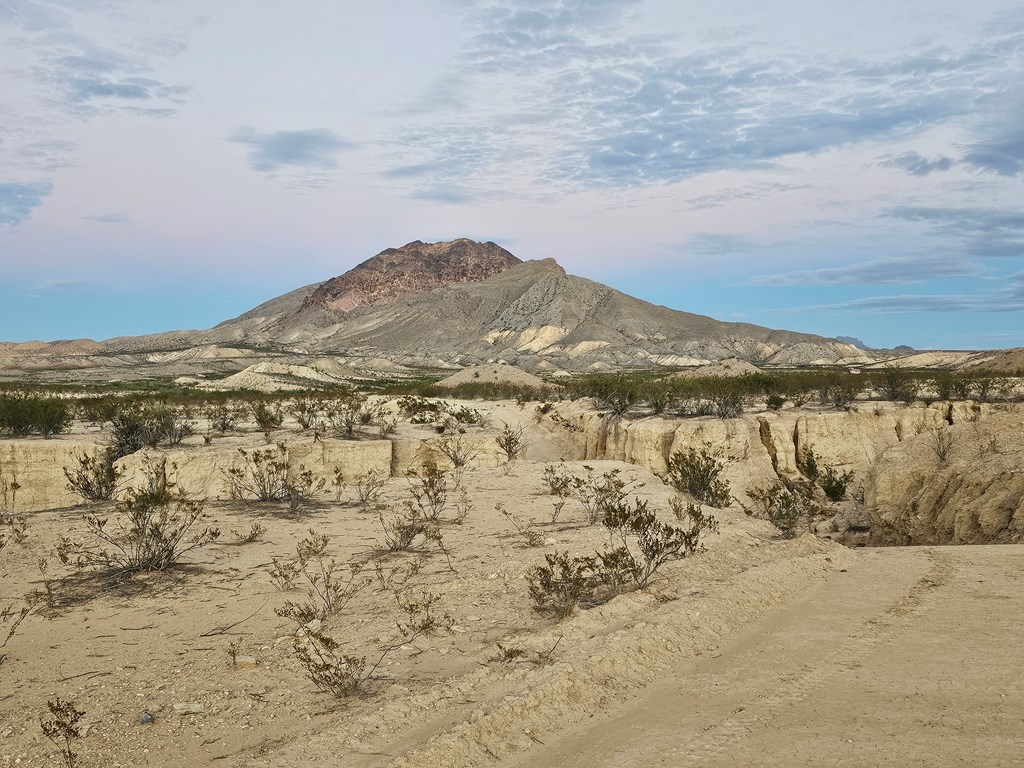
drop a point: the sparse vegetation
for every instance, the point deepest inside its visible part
(645, 544)
(95, 478)
(697, 471)
(782, 507)
(511, 442)
(24, 413)
(146, 535)
(62, 729)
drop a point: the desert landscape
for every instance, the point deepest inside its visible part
(511, 384)
(355, 561)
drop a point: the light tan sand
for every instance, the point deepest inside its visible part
(494, 373)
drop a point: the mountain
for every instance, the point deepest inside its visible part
(461, 303)
(853, 341)
(465, 303)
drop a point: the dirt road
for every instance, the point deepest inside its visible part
(911, 657)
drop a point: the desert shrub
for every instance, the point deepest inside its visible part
(99, 410)
(459, 452)
(254, 534)
(420, 410)
(808, 462)
(835, 483)
(23, 414)
(146, 536)
(598, 494)
(62, 729)
(775, 402)
(369, 487)
(223, 417)
(839, 391)
(940, 440)
(645, 544)
(781, 507)
(346, 413)
(95, 478)
(511, 442)
(305, 410)
(343, 675)
(832, 481)
(16, 525)
(895, 384)
(263, 475)
(128, 434)
(559, 483)
(268, 416)
(530, 536)
(12, 617)
(564, 583)
(429, 487)
(696, 471)
(149, 424)
(330, 586)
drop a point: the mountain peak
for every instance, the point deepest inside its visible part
(415, 267)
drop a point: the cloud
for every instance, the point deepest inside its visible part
(305, 149)
(875, 272)
(918, 165)
(57, 285)
(1003, 156)
(756, 191)
(109, 218)
(615, 109)
(19, 199)
(714, 244)
(73, 77)
(970, 231)
(1009, 298)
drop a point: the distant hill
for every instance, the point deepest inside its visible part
(461, 303)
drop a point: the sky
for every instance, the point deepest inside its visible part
(831, 167)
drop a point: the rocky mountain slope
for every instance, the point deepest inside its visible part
(448, 304)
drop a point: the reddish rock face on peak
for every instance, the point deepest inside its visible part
(413, 268)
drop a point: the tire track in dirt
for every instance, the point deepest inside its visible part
(715, 705)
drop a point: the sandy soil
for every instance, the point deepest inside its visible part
(909, 658)
(758, 651)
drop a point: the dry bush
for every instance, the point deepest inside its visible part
(254, 534)
(782, 507)
(95, 478)
(331, 586)
(369, 487)
(940, 440)
(62, 729)
(459, 452)
(147, 535)
(558, 481)
(645, 544)
(429, 487)
(531, 537)
(511, 442)
(696, 471)
(267, 476)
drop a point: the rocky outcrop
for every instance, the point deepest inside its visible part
(32, 475)
(959, 484)
(413, 268)
(32, 472)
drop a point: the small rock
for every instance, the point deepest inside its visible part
(6, 732)
(188, 708)
(473, 618)
(245, 662)
(146, 718)
(550, 541)
(314, 625)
